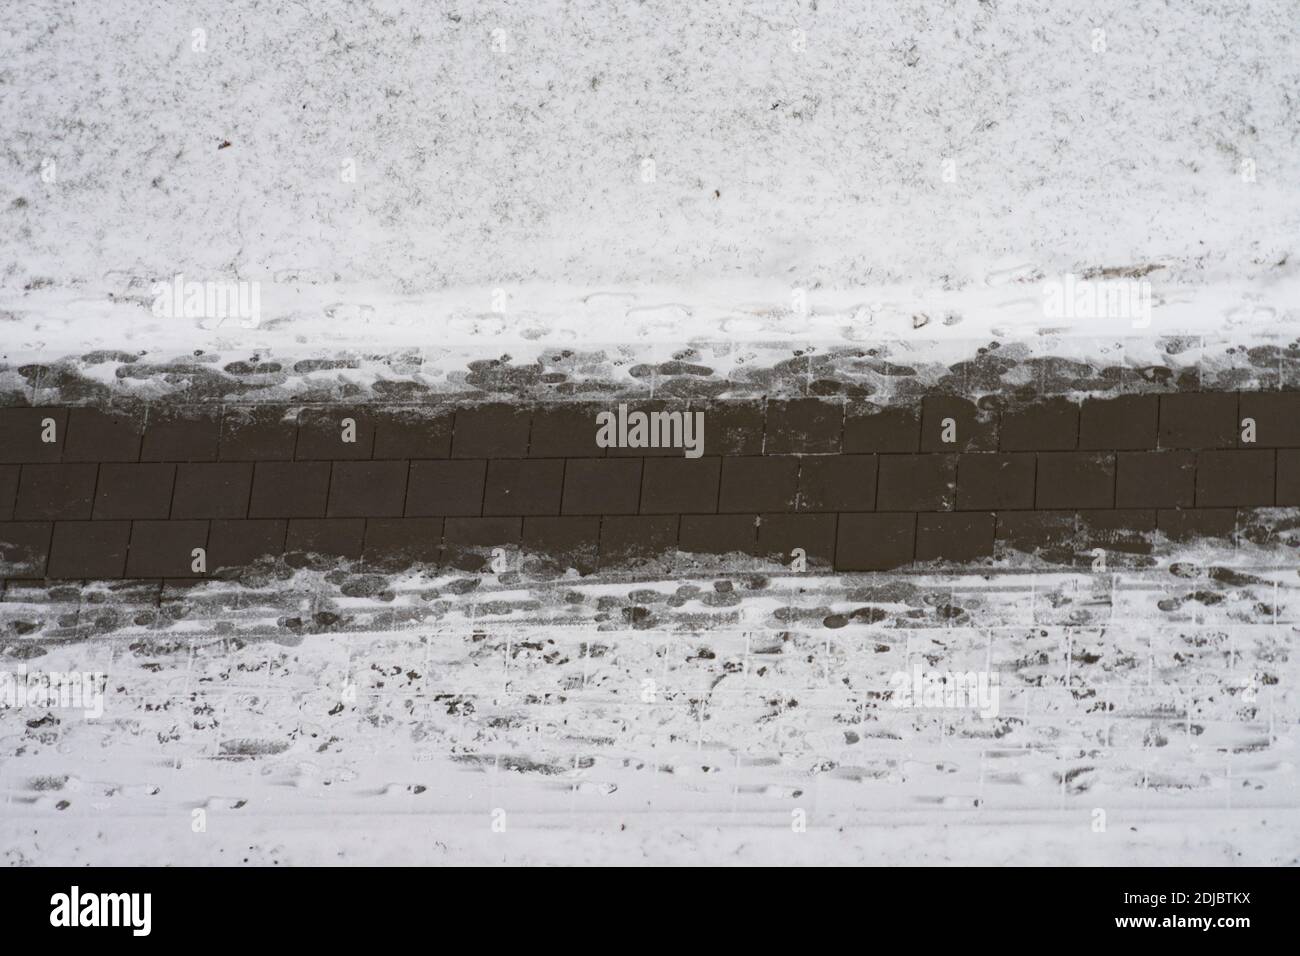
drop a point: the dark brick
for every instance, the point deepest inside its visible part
(602, 486)
(1198, 420)
(367, 489)
(916, 482)
(1269, 527)
(875, 542)
(1188, 524)
(89, 549)
(1050, 425)
(517, 487)
(733, 428)
(24, 548)
(976, 430)
(213, 490)
(445, 488)
(780, 534)
(1124, 530)
(55, 492)
(1288, 477)
(870, 428)
(664, 446)
(416, 432)
(635, 539)
(321, 432)
(1155, 479)
(752, 484)
(803, 426)
(1276, 415)
(1225, 478)
(1125, 422)
(1069, 479)
(8, 490)
(258, 433)
(21, 431)
(181, 434)
(393, 544)
(134, 491)
(680, 485)
(837, 483)
(98, 436)
(327, 537)
(718, 534)
(565, 431)
(233, 545)
(165, 549)
(955, 537)
(1048, 534)
(993, 482)
(468, 542)
(557, 544)
(289, 489)
(491, 431)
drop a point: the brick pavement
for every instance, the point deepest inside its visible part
(132, 492)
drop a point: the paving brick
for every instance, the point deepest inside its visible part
(95, 435)
(955, 537)
(55, 492)
(89, 549)
(627, 541)
(752, 484)
(976, 430)
(680, 485)
(1288, 477)
(165, 549)
(602, 486)
(994, 482)
(524, 487)
(412, 432)
(1188, 524)
(448, 488)
(1048, 534)
(181, 434)
(1155, 479)
(916, 482)
(1127, 531)
(1276, 415)
(875, 542)
(258, 433)
(289, 489)
(326, 537)
(718, 534)
(1198, 420)
(212, 490)
(134, 490)
(1269, 527)
(803, 426)
(733, 427)
(1125, 422)
(1225, 478)
(235, 544)
(495, 430)
(323, 434)
(663, 440)
(1069, 479)
(22, 433)
(838, 483)
(1049, 425)
(367, 489)
(565, 431)
(8, 490)
(24, 548)
(393, 544)
(468, 542)
(870, 428)
(780, 534)
(557, 544)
